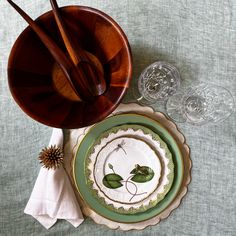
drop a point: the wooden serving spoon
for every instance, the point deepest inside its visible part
(80, 77)
(78, 55)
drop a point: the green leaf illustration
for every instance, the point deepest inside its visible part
(136, 169)
(112, 181)
(142, 174)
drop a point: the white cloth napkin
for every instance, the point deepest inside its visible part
(52, 197)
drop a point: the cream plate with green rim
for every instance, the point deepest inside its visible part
(142, 181)
(83, 150)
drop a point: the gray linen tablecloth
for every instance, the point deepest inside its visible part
(199, 37)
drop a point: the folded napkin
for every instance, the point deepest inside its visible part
(52, 197)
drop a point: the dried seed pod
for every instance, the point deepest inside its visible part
(51, 157)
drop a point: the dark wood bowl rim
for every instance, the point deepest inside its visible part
(21, 37)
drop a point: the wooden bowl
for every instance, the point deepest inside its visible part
(36, 81)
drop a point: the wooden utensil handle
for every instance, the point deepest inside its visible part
(90, 67)
(65, 35)
(79, 86)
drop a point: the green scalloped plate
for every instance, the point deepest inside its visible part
(168, 156)
(84, 149)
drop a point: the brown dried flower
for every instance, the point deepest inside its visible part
(51, 157)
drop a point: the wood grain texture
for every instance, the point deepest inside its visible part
(33, 74)
(74, 74)
(92, 74)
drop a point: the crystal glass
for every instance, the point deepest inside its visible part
(201, 104)
(157, 82)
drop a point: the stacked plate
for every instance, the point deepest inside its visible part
(132, 168)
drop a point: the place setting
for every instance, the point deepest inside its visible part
(124, 165)
(142, 189)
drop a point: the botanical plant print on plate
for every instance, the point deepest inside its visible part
(129, 169)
